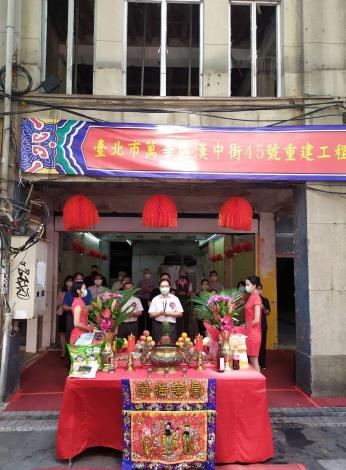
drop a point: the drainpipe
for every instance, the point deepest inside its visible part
(4, 193)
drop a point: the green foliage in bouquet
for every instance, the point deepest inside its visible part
(219, 310)
(107, 311)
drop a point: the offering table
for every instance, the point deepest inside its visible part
(91, 414)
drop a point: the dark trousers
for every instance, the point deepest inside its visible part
(201, 327)
(157, 331)
(69, 326)
(144, 321)
(127, 329)
(262, 353)
(183, 323)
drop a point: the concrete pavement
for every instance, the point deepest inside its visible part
(313, 437)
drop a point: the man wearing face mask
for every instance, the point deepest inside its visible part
(146, 285)
(97, 288)
(68, 300)
(165, 307)
(89, 280)
(130, 325)
(264, 327)
(183, 288)
(214, 284)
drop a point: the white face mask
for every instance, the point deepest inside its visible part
(98, 282)
(83, 291)
(165, 290)
(147, 276)
(249, 289)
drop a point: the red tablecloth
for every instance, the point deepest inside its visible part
(91, 414)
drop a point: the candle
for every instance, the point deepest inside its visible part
(199, 343)
(131, 343)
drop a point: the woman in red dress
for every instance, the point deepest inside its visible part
(253, 309)
(79, 312)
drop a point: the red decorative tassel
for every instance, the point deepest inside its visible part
(236, 213)
(159, 211)
(80, 213)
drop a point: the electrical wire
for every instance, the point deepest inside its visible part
(320, 106)
(20, 72)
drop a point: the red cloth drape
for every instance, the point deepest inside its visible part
(91, 415)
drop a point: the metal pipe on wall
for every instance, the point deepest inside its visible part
(4, 192)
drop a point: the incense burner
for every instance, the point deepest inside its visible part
(166, 358)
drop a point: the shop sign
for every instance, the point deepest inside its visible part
(142, 150)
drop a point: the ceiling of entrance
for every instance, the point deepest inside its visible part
(123, 237)
(190, 196)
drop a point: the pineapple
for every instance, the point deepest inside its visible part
(165, 339)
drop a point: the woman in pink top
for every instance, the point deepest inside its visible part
(253, 308)
(79, 312)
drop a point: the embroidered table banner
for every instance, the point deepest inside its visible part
(169, 423)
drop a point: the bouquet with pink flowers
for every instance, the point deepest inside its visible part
(218, 312)
(109, 309)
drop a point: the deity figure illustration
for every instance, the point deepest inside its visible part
(188, 440)
(170, 439)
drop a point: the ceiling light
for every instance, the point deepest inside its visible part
(92, 237)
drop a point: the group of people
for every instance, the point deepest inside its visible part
(156, 304)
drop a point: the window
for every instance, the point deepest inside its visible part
(69, 32)
(255, 48)
(163, 48)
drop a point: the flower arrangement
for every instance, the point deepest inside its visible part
(218, 312)
(108, 310)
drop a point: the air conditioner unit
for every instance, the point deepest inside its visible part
(27, 293)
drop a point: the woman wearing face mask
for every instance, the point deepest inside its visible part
(79, 312)
(68, 300)
(67, 286)
(97, 288)
(253, 309)
(165, 307)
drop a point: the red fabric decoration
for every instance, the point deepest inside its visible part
(229, 253)
(104, 257)
(159, 211)
(79, 213)
(236, 213)
(216, 258)
(78, 247)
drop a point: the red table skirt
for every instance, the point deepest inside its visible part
(91, 414)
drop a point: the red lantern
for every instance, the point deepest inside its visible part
(159, 211)
(236, 213)
(79, 213)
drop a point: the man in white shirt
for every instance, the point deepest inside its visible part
(130, 325)
(165, 307)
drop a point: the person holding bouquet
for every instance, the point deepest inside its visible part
(79, 312)
(253, 308)
(129, 326)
